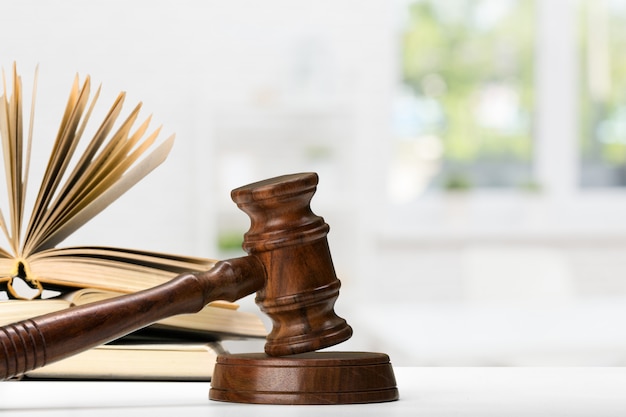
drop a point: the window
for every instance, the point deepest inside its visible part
(463, 116)
(602, 60)
(556, 128)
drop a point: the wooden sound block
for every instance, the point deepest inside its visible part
(307, 378)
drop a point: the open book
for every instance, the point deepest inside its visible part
(83, 176)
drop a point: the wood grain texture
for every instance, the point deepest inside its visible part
(309, 378)
(291, 241)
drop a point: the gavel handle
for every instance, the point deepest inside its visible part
(35, 342)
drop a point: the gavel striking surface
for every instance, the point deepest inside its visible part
(307, 378)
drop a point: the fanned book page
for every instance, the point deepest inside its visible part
(75, 187)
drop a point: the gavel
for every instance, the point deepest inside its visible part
(290, 268)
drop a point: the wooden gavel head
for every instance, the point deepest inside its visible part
(290, 241)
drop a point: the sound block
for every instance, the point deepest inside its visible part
(307, 378)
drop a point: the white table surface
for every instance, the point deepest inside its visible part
(424, 391)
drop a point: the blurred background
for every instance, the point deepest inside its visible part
(471, 153)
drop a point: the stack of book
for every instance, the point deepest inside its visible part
(183, 347)
(81, 180)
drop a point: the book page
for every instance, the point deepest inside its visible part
(95, 182)
(184, 362)
(61, 155)
(11, 132)
(6, 151)
(17, 310)
(113, 269)
(96, 142)
(107, 197)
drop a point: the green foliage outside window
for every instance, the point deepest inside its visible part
(603, 72)
(472, 61)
